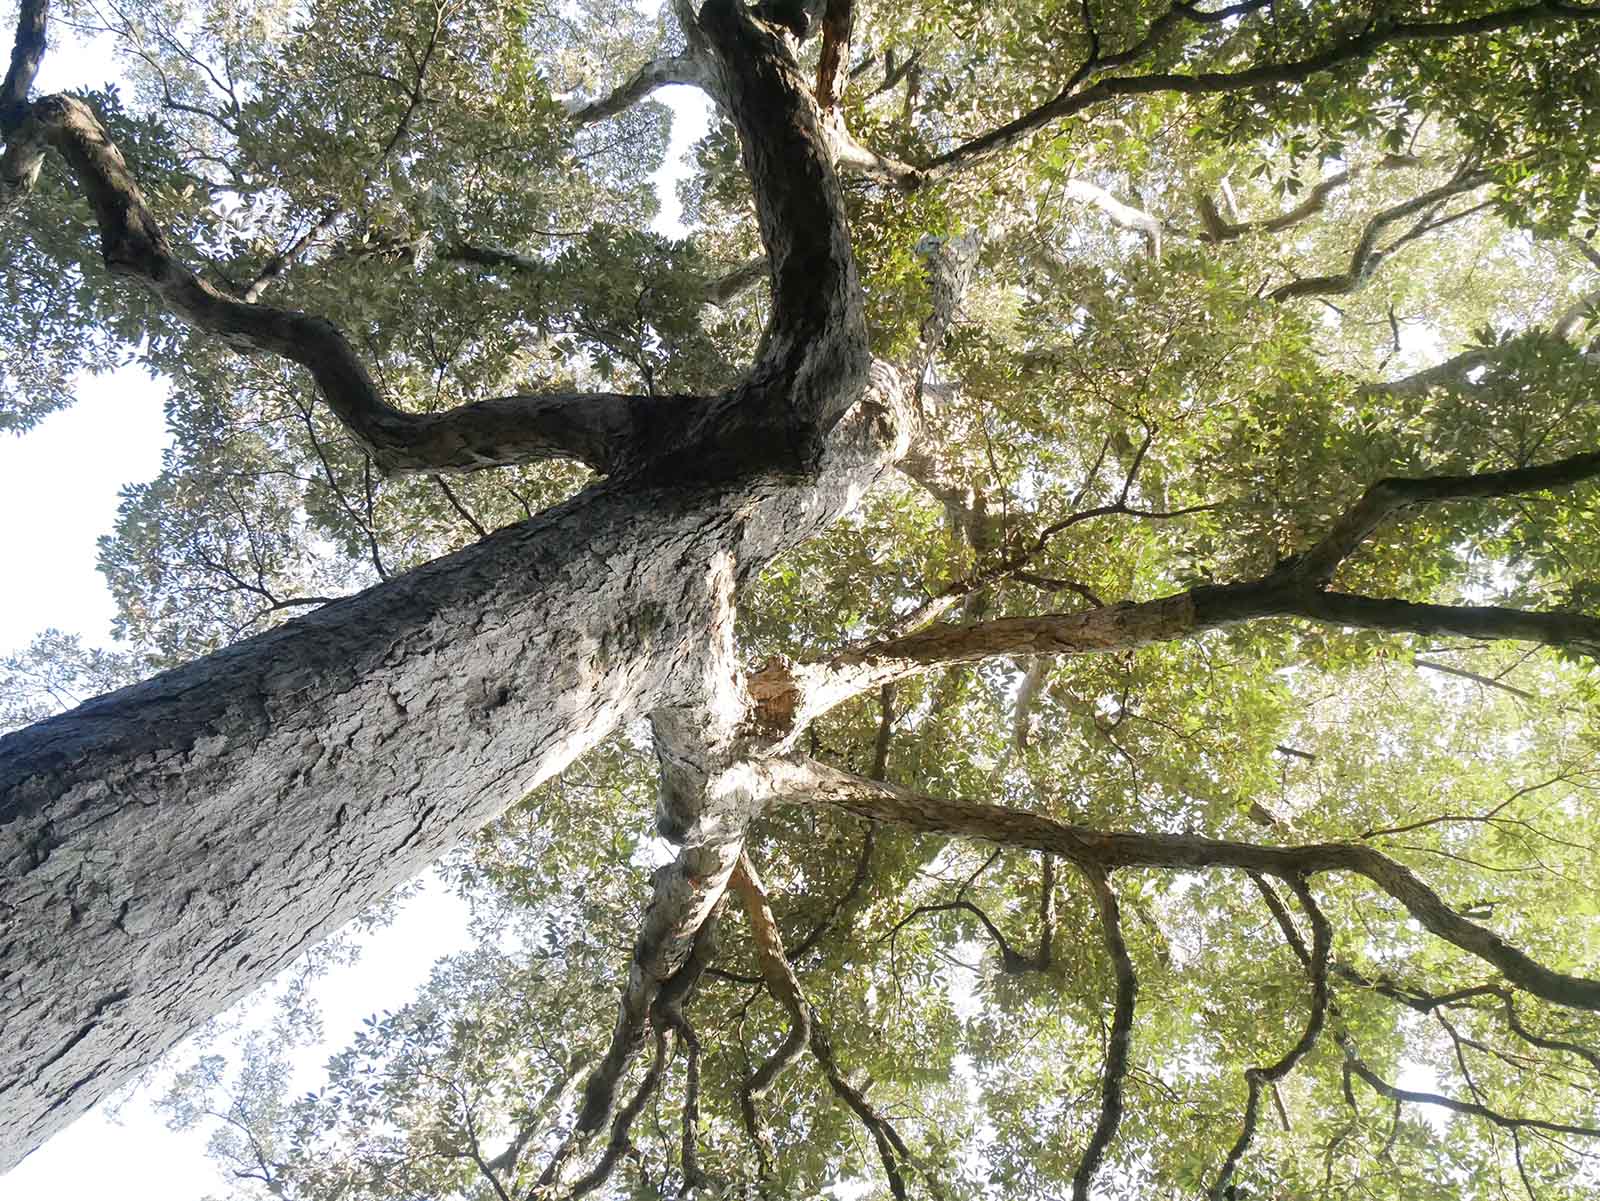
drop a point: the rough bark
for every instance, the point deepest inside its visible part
(170, 846)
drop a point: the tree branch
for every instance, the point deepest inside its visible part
(891, 1148)
(838, 19)
(687, 68)
(1119, 1041)
(1367, 257)
(1471, 1108)
(602, 430)
(26, 55)
(1255, 1077)
(1074, 97)
(1395, 494)
(1120, 213)
(806, 781)
(784, 988)
(623, 1122)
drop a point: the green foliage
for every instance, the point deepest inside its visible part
(1115, 417)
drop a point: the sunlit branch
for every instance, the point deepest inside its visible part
(806, 781)
(505, 1163)
(1119, 1041)
(1022, 707)
(1463, 674)
(658, 73)
(1119, 212)
(1256, 1077)
(784, 988)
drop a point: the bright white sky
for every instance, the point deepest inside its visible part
(59, 490)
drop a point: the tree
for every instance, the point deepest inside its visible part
(1319, 779)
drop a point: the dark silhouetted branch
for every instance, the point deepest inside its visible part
(1118, 1042)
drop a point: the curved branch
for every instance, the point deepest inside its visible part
(1367, 257)
(1120, 1040)
(1471, 1108)
(687, 68)
(1395, 494)
(784, 988)
(806, 781)
(1012, 963)
(623, 1123)
(606, 430)
(892, 1149)
(1255, 1077)
(813, 362)
(1074, 98)
(1119, 212)
(1219, 230)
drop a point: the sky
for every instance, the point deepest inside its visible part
(59, 491)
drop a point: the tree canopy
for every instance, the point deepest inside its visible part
(1099, 513)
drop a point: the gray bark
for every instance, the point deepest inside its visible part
(172, 845)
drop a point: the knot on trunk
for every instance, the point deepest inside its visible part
(774, 695)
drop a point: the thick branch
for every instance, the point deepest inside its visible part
(1118, 1042)
(806, 781)
(838, 18)
(816, 344)
(606, 430)
(784, 988)
(687, 68)
(1121, 214)
(791, 696)
(26, 55)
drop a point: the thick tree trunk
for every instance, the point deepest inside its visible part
(170, 846)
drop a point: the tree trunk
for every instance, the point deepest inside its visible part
(171, 846)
